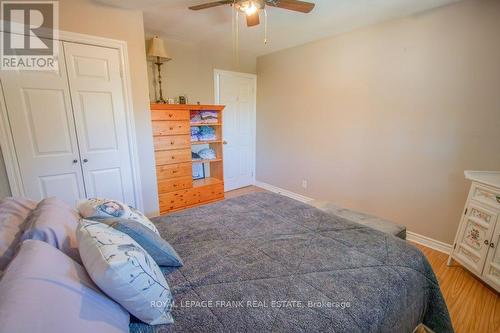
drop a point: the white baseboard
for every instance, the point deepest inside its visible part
(429, 242)
(410, 236)
(284, 192)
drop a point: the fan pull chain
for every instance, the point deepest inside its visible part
(235, 28)
(237, 39)
(265, 26)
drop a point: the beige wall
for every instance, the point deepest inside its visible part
(87, 17)
(191, 71)
(387, 118)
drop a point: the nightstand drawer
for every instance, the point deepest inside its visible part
(486, 195)
(170, 127)
(173, 156)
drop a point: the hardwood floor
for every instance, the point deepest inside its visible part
(243, 191)
(473, 306)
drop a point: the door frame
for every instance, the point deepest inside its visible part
(217, 74)
(7, 142)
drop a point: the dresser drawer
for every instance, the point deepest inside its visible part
(170, 127)
(175, 184)
(170, 171)
(169, 115)
(178, 199)
(170, 201)
(211, 192)
(486, 195)
(173, 156)
(172, 142)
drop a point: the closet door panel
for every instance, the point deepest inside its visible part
(41, 121)
(98, 122)
(62, 186)
(57, 141)
(107, 183)
(100, 118)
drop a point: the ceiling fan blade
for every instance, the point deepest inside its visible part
(253, 20)
(295, 5)
(211, 4)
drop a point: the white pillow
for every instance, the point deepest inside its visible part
(98, 207)
(125, 272)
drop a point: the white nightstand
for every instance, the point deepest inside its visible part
(476, 244)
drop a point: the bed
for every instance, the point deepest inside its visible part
(266, 263)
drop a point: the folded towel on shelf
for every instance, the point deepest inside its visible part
(196, 117)
(207, 154)
(209, 116)
(195, 131)
(206, 133)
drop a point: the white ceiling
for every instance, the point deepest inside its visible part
(212, 27)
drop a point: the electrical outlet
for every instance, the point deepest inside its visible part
(304, 183)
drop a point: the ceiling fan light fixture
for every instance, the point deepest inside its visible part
(249, 7)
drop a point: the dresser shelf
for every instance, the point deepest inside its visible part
(194, 143)
(207, 161)
(205, 124)
(206, 182)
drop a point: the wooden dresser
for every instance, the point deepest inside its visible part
(173, 153)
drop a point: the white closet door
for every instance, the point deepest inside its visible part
(99, 109)
(39, 110)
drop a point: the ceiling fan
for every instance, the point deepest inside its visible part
(251, 7)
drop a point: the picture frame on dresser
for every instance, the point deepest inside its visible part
(198, 171)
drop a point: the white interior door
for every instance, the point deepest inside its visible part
(100, 118)
(237, 92)
(41, 121)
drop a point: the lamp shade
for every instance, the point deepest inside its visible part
(156, 48)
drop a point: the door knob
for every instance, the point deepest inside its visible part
(486, 242)
(492, 245)
(85, 160)
(224, 142)
(75, 161)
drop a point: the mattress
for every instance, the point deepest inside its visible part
(266, 263)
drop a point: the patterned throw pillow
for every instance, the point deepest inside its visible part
(125, 272)
(98, 207)
(158, 248)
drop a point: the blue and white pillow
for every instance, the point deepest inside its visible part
(158, 248)
(99, 207)
(125, 272)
